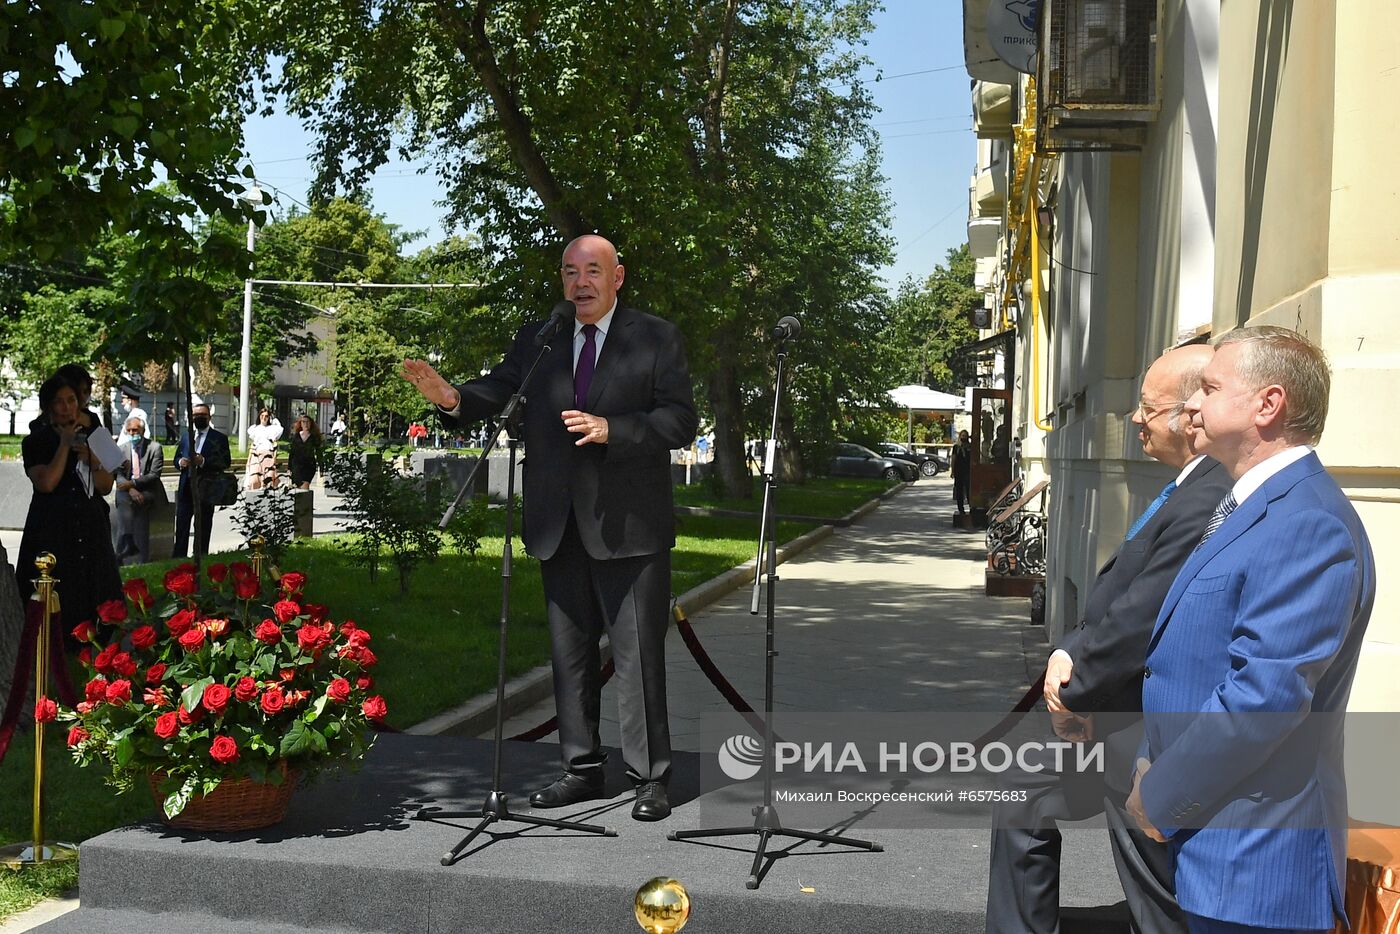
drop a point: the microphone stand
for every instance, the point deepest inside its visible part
(766, 821)
(496, 807)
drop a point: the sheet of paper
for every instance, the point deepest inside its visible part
(105, 449)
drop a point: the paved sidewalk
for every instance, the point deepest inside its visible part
(886, 615)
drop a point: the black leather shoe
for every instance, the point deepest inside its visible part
(651, 802)
(569, 788)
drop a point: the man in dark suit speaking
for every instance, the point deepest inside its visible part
(1093, 681)
(604, 410)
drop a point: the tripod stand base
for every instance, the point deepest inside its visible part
(767, 826)
(494, 809)
(19, 855)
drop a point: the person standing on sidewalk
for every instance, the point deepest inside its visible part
(962, 470)
(1259, 640)
(606, 409)
(1093, 682)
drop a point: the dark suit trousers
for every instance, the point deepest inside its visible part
(184, 514)
(629, 598)
(1023, 887)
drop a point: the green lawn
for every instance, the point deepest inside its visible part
(828, 497)
(436, 649)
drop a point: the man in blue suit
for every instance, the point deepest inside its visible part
(1257, 642)
(211, 456)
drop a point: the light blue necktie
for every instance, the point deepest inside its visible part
(1152, 508)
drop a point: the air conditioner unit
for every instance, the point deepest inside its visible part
(1100, 73)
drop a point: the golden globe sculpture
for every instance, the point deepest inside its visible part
(662, 906)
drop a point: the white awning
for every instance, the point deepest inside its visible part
(923, 399)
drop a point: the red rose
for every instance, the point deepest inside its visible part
(339, 690)
(143, 637)
(292, 582)
(138, 593)
(180, 582)
(298, 697)
(167, 725)
(245, 690)
(218, 573)
(188, 717)
(375, 708)
(214, 627)
(192, 639)
(348, 626)
(273, 701)
(268, 631)
(285, 611)
(358, 637)
(85, 708)
(45, 710)
(85, 632)
(112, 611)
(246, 588)
(317, 611)
(119, 692)
(224, 750)
(242, 570)
(186, 566)
(312, 638)
(123, 664)
(96, 690)
(216, 698)
(366, 658)
(103, 662)
(286, 675)
(77, 735)
(180, 623)
(85, 656)
(155, 673)
(156, 697)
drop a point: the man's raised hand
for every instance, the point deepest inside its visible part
(429, 384)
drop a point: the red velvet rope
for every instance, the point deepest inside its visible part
(58, 667)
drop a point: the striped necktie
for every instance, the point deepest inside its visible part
(1227, 506)
(1152, 508)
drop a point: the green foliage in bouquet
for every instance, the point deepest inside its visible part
(229, 680)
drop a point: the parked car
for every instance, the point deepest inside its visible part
(930, 465)
(852, 460)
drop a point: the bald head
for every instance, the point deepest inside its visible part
(591, 275)
(1171, 379)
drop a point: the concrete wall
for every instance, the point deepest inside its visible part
(1308, 224)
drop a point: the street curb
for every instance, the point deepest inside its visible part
(525, 691)
(41, 913)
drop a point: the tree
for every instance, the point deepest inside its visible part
(688, 130)
(931, 320)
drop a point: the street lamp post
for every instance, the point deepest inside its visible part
(253, 195)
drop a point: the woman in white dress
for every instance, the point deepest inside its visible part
(262, 452)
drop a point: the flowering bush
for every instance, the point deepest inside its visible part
(224, 681)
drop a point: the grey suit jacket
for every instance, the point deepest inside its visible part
(148, 483)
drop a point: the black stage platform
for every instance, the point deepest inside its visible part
(348, 858)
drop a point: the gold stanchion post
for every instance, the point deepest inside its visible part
(40, 850)
(256, 544)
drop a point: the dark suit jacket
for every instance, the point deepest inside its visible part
(620, 492)
(149, 482)
(215, 451)
(1109, 646)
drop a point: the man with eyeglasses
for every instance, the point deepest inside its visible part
(1093, 682)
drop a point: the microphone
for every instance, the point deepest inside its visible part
(787, 328)
(562, 314)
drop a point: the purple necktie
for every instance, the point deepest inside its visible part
(583, 372)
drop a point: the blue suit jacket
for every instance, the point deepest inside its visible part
(1258, 639)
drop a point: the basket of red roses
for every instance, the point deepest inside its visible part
(222, 694)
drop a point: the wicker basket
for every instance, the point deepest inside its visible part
(237, 804)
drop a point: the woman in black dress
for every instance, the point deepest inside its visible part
(67, 514)
(304, 451)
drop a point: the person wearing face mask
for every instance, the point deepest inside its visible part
(67, 514)
(205, 454)
(138, 491)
